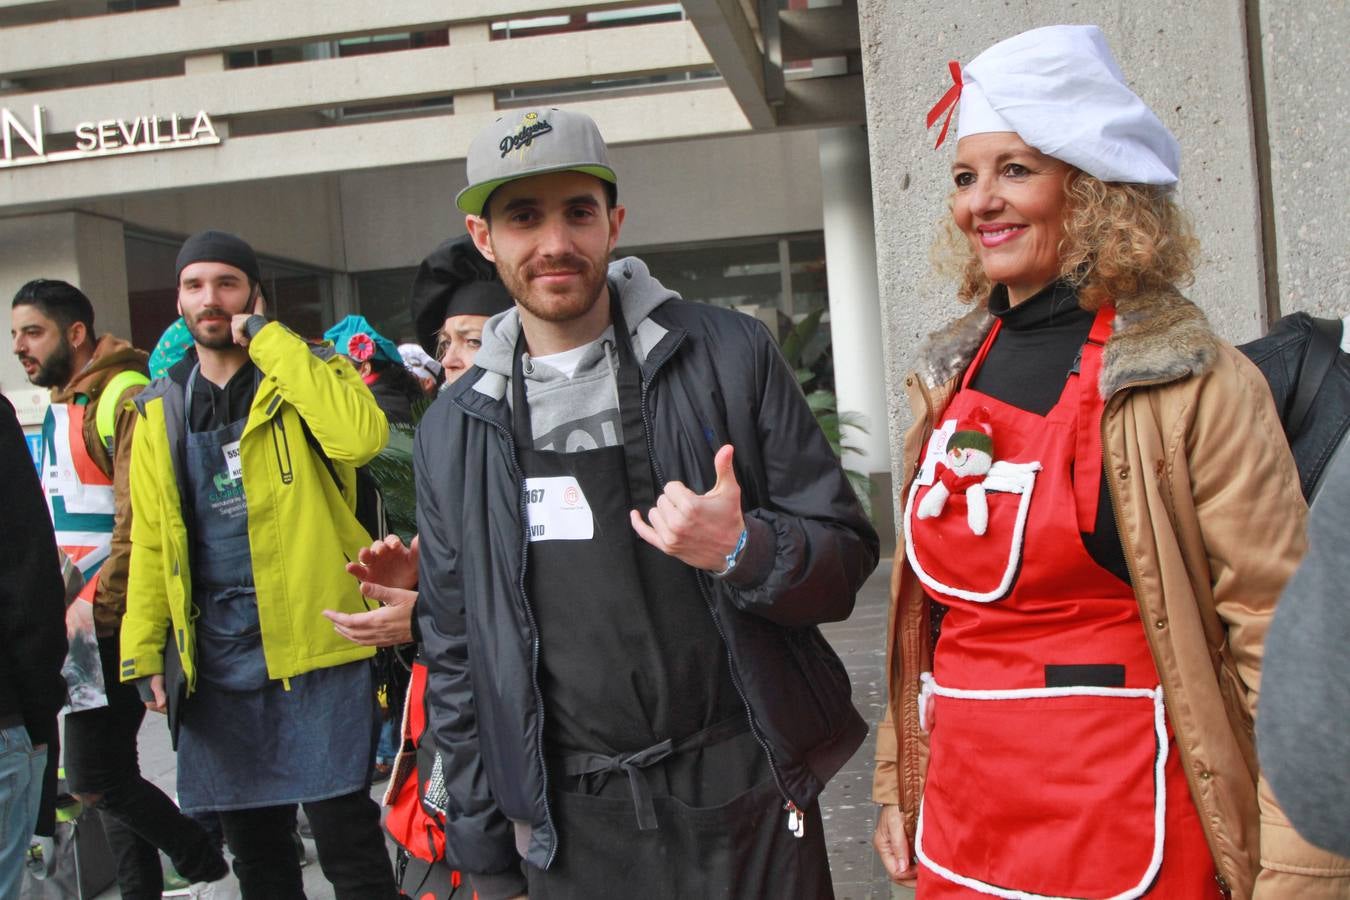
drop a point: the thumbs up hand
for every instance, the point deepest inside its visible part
(697, 529)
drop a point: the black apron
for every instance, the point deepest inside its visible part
(658, 785)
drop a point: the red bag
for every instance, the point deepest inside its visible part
(417, 829)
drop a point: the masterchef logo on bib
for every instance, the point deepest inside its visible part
(556, 510)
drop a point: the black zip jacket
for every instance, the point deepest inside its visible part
(1279, 355)
(715, 377)
(32, 594)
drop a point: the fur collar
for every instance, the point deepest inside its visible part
(1157, 337)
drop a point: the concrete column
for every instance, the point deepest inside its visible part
(344, 296)
(90, 253)
(855, 310)
(1306, 74)
(205, 64)
(469, 102)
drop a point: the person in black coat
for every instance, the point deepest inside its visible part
(1286, 356)
(32, 646)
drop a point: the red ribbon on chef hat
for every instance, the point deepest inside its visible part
(947, 104)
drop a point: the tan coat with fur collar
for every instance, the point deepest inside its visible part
(1212, 523)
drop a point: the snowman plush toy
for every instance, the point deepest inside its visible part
(968, 458)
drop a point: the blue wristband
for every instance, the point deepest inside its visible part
(734, 556)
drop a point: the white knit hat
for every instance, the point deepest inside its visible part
(1060, 89)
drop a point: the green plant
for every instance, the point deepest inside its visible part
(392, 469)
(806, 348)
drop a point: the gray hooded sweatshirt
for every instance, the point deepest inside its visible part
(581, 412)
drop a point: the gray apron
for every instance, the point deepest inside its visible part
(229, 638)
(248, 741)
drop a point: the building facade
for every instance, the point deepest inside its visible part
(331, 135)
(753, 139)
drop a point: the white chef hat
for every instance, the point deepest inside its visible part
(1060, 90)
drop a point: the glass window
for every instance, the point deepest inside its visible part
(120, 6)
(745, 273)
(383, 298)
(151, 294)
(561, 24)
(361, 45)
(778, 279)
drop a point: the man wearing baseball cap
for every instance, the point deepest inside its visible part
(243, 485)
(631, 526)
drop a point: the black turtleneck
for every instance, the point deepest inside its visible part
(215, 407)
(1028, 366)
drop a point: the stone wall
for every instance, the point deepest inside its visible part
(1284, 141)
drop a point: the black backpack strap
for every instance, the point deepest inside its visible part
(318, 448)
(1324, 342)
(370, 511)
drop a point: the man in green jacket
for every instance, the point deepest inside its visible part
(243, 478)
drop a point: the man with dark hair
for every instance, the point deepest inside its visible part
(243, 485)
(630, 526)
(56, 319)
(86, 453)
(32, 646)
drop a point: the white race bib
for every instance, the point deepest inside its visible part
(556, 510)
(233, 464)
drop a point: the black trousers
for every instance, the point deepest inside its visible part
(101, 758)
(347, 835)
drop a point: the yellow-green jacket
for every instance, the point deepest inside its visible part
(302, 528)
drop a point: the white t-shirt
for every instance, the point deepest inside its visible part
(567, 361)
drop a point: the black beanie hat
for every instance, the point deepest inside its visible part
(221, 247)
(454, 280)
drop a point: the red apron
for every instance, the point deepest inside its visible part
(1051, 769)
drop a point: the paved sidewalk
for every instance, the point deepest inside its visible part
(847, 808)
(846, 804)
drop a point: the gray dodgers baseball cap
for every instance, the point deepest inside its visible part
(532, 142)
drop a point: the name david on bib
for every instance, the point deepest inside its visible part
(556, 510)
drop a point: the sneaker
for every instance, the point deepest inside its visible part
(302, 822)
(173, 881)
(300, 848)
(203, 889)
(41, 859)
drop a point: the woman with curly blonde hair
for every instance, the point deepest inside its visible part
(1080, 604)
(1118, 240)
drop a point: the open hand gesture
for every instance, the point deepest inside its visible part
(386, 562)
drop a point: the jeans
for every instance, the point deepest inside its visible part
(348, 838)
(102, 760)
(386, 750)
(21, 768)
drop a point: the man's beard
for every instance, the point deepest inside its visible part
(57, 369)
(210, 342)
(550, 306)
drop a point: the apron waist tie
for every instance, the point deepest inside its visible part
(633, 763)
